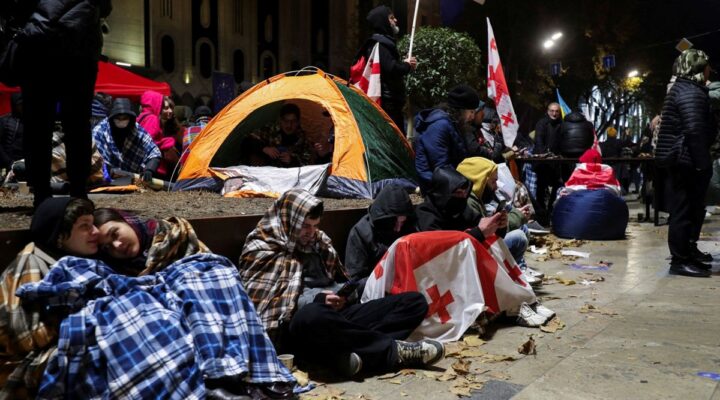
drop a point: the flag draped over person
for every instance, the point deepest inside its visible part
(499, 92)
(459, 276)
(369, 81)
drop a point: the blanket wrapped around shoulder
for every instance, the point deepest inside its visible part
(174, 239)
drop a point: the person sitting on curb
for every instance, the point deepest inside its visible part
(295, 278)
(28, 335)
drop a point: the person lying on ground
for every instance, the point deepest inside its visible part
(296, 280)
(283, 145)
(190, 325)
(137, 246)
(124, 144)
(28, 334)
(486, 199)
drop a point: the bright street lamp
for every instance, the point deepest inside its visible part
(548, 44)
(556, 36)
(633, 73)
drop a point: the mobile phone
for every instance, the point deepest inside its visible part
(347, 289)
(500, 207)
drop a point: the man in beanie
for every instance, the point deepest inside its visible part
(28, 335)
(392, 69)
(687, 131)
(439, 140)
(124, 144)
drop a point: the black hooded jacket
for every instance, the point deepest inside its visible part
(11, 135)
(442, 211)
(371, 237)
(392, 68)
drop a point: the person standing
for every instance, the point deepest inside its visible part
(58, 49)
(548, 134)
(392, 69)
(686, 132)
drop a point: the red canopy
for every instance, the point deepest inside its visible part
(111, 79)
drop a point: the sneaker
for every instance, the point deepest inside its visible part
(419, 354)
(528, 317)
(533, 272)
(542, 310)
(531, 280)
(349, 364)
(535, 228)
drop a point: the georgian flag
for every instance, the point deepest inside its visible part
(370, 80)
(592, 176)
(459, 276)
(499, 92)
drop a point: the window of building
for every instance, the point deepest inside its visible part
(205, 57)
(205, 14)
(167, 8)
(167, 53)
(239, 66)
(238, 17)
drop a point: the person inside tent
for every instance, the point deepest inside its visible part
(485, 198)
(295, 278)
(283, 145)
(124, 144)
(28, 335)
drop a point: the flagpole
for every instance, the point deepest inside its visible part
(412, 32)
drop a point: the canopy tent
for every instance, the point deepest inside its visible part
(369, 149)
(111, 79)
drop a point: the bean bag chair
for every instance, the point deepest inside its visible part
(577, 135)
(590, 215)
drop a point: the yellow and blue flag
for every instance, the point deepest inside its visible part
(564, 109)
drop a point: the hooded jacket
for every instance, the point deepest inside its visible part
(548, 135)
(149, 119)
(11, 134)
(392, 68)
(438, 144)
(370, 238)
(577, 135)
(442, 211)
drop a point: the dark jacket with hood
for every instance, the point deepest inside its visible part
(438, 144)
(687, 129)
(11, 135)
(577, 135)
(442, 211)
(371, 237)
(392, 68)
(548, 135)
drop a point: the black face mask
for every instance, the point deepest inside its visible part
(455, 205)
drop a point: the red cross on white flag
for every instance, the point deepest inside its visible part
(498, 91)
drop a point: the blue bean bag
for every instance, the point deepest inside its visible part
(590, 215)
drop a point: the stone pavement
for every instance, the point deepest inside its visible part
(638, 334)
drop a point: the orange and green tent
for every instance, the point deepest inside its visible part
(369, 152)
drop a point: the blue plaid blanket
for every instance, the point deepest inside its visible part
(137, 150)
(155, 336)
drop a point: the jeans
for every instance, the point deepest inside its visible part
(517, 243)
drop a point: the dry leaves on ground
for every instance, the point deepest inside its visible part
(528, 348)
(324, 393)
(589, 308)
(553, 326)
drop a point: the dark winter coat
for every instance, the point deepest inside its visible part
(687, 128)
(548, 136)
(392, 68)
(577, 135)
(11, 135)
(611, 147)
(438, 143)
(442, 211)
(370, 238)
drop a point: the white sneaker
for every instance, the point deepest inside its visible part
(531, 280)
(528, 317)
(542, 310)
(533, 272)
(419, 354)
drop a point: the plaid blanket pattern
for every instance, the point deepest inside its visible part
(271, 272)
(155, 336)
(137, 150)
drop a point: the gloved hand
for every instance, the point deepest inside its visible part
(147, 175)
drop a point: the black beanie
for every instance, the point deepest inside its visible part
(463, 97)
(47, 222)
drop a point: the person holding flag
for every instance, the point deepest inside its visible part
(392, 69)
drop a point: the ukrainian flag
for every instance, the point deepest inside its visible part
(564, 109)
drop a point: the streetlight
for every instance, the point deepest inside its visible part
(556, 36)
(551, 42)
(548, 44)
(633, 73)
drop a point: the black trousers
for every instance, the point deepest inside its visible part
(66, 93)
(319, 333)
(548, 177)
(686, 205)
(395, 112)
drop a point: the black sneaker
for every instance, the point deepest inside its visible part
(419, 354)
(536, 229)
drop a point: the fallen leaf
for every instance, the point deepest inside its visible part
(566, 282)
(431, 374)
(447, 377)
(499, 375)
(389, 375)
(406, 372)
(468, 353)
(553, 326)
(454, 348)
(473, 341)
(586, 308)
(301, 377)
(462, 391)
(496, 358)
(395, 381)
(403, 394)
(528, 348)
(462, 367)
